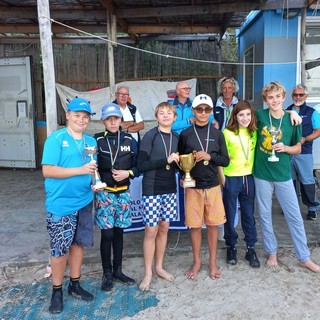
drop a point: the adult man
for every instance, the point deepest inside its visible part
(227, 88)
(302, 164)
(132, 121)
(185, 117)
(68, 173)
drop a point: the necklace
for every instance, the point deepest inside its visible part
(205, 162)
(274, 132)
(113, 158)
(165, 146)
(80, 145)
(246, 154)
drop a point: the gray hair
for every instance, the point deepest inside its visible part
(227, 79)
(300, 86)
(122, 87)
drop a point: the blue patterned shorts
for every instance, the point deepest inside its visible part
(112, 209)
(73, 229)
(157, 208)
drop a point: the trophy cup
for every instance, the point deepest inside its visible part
(274, 133)
(96, 180)
(186, 163)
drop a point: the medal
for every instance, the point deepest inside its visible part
(205, 162)
(245, 153)
(168, 152)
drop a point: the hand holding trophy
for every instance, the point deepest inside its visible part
(96, 180)
(186, 163)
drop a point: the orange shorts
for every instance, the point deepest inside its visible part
(204, 206)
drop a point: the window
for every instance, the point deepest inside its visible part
(313, 56)
(248, 69)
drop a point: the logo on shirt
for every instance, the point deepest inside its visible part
(65, 143)
(125, 148)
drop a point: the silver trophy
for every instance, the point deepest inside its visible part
(274, 133)
(96, 180)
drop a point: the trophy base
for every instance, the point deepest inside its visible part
(273, 159)
(187, 184)
(99, 185)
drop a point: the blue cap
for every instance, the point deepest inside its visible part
(79, 104)
(109, 110)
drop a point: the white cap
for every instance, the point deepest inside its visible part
(202, 99)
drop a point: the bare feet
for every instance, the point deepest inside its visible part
(193, 271)
(164, 274)
(145, 284)
(272, 261)
(214, 272)
(310, 265)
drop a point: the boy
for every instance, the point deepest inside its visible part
(203, 203)
(275, 176)
(117, 161)
(157, 158)
(68, 172)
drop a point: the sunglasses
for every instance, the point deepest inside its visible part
(200, 110)
(298, 95)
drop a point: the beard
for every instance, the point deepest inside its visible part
(298, 103)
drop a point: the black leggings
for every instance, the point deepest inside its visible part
(112, 236)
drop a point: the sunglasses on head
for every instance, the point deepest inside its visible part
(200, 110)
(299, 95)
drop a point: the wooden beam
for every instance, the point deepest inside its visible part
(58, 14)
(226, 7)
(134, 29)
(56, 28)
(48, 66)
(173, 29)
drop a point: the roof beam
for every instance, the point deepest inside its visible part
(122, 23)
(244, 6)
(123, 13)
(102, 29)
(34, 28)
(173, 29)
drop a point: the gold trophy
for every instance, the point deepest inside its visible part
(186, 163)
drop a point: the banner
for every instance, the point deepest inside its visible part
(145, 95)
(137, 207)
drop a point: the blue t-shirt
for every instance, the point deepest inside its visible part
(67, 195)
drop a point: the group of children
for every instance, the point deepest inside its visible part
(242, 149)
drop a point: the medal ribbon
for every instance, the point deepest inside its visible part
(201, 145)
(246, 154)
(164, 143)
(113, 159)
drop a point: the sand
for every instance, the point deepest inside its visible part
(286, 292)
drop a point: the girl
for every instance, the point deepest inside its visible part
(241, 137)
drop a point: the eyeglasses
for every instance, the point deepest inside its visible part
(200, 110)
(123, 94)
(300, 95)
(186, 88)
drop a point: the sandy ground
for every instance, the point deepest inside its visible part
(287, 292)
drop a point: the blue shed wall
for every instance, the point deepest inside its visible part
(275, 43)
